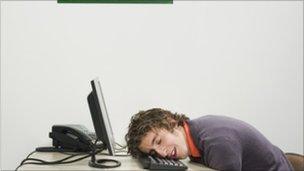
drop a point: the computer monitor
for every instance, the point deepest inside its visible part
(100, 117)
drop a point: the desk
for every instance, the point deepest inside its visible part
(127, 163)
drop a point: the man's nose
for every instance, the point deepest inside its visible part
(161, 152)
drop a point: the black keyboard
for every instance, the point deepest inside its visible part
(156, 163)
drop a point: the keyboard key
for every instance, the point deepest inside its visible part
(169, 162)
(152, 159)
(158, 160)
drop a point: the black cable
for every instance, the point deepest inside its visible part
(100, 163)
(25, 158)
(72, 153)
(54, 149)
(122, 149)
(61, 161)
(121, 146)
(30, 154)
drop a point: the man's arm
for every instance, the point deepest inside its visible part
(223, 153)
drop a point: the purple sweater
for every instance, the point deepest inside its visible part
(230, 144)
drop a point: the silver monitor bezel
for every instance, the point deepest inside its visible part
(105, 115)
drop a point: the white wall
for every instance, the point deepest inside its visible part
(241, 59)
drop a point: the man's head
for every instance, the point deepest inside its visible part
(157, 131)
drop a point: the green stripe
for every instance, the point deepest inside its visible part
(118, 1)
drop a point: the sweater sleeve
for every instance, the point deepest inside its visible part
(223, 153)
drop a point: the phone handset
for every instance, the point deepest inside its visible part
(72, 136)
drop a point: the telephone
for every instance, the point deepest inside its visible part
(72, 137)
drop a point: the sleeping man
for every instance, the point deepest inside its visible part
(219, 142)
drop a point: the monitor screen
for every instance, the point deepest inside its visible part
(100, 117)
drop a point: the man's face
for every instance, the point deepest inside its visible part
(165, 143)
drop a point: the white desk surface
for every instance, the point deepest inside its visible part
(127, 163)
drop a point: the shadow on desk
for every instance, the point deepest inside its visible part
(196, 165)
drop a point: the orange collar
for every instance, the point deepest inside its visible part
(193, 149)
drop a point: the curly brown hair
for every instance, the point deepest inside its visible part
(144, 121)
